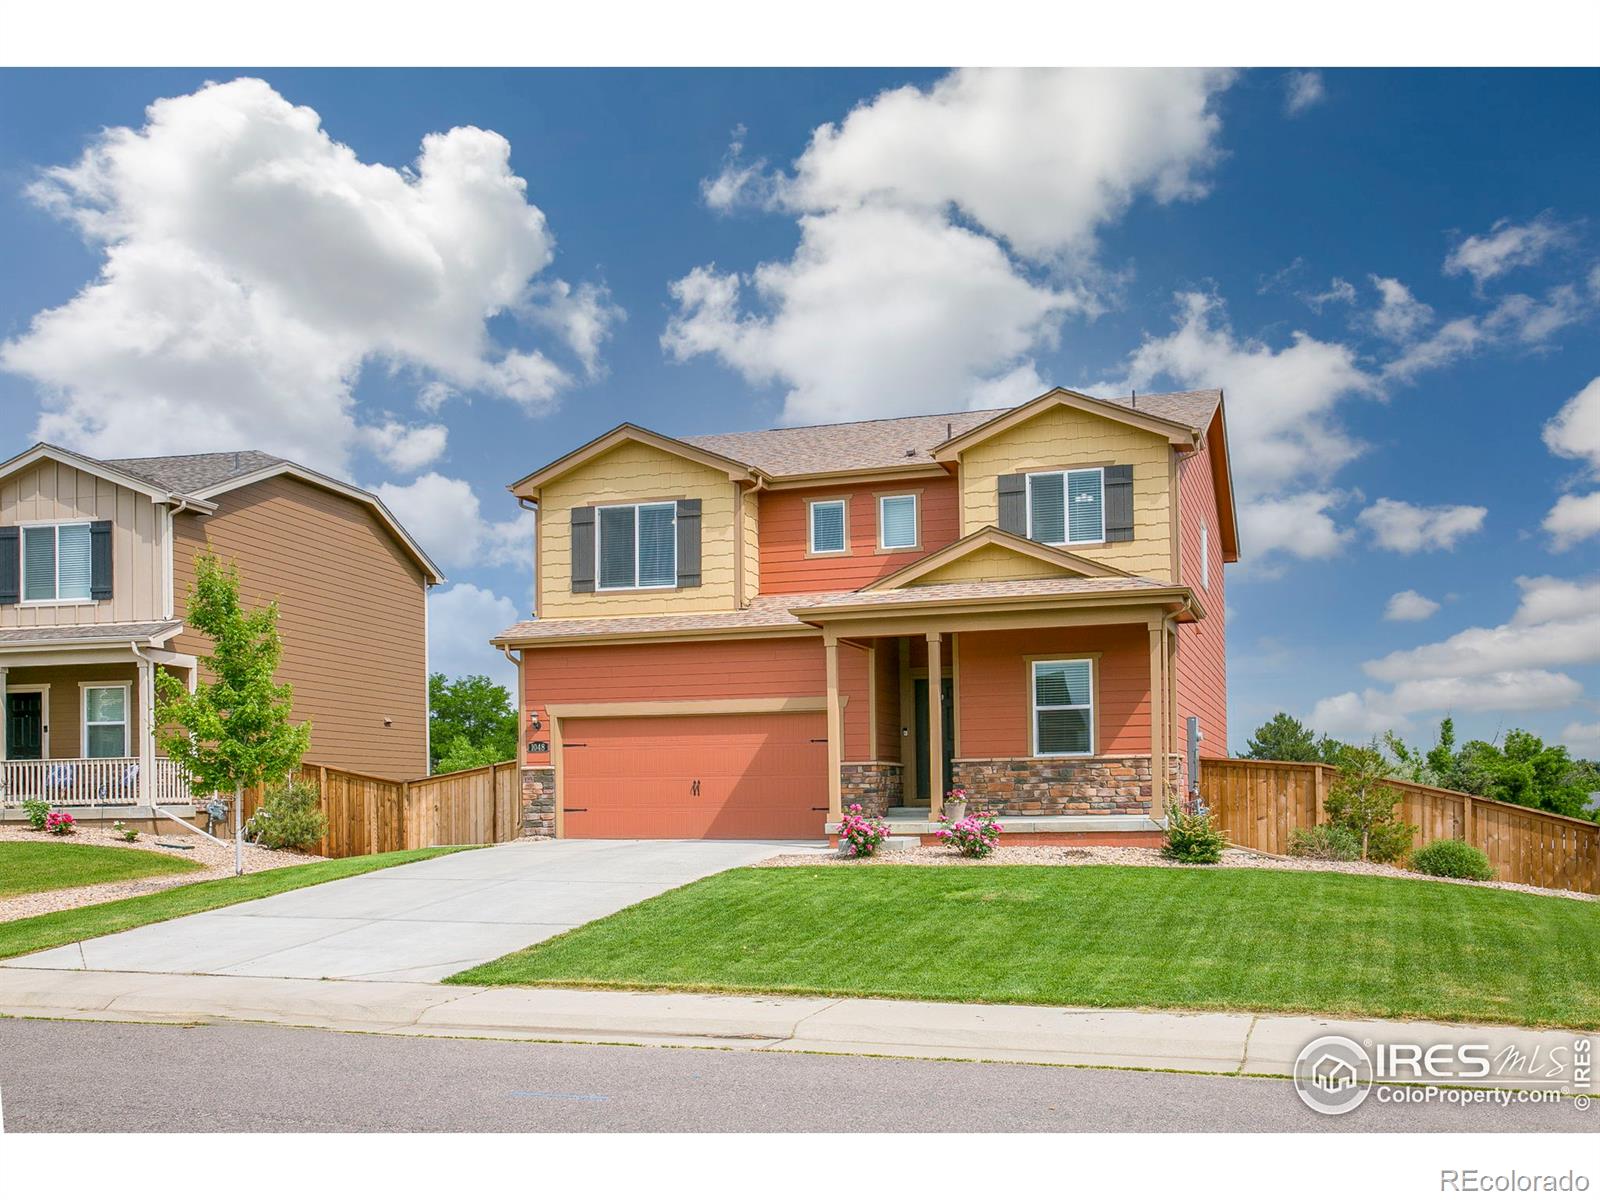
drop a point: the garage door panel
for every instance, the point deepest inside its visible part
(759, 775)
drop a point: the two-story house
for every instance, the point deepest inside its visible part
(96, 560)
(737, 635)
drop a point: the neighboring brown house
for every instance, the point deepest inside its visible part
(96, 560)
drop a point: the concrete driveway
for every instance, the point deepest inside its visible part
(419, 922)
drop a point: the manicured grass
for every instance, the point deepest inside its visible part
(45, 866)
(1120, 937)
(75, 924)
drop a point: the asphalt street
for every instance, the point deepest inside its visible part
(119, 1077)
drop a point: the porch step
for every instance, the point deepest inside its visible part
(906, 814)
(901, 843)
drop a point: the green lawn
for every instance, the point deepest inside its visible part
(45, 866)
(1288, 941)
(59, 928)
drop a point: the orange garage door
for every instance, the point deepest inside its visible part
(746, 776)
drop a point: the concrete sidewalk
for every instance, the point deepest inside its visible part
(1212, 1042)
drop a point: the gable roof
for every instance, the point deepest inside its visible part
(1052, 556)
(1168, 414)
(529, 485)
(191, 473)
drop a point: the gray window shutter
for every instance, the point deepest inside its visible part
(10, 565)
(1119, 504)
(583, 549)
(1014, 504)
(689, 543)
(100, 560)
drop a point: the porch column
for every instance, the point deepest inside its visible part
(1158, 741)
(5, 723)
(145, 690)
(936, 779)
(830, 650)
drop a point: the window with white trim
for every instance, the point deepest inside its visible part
(56, 562)
(1067, 507)
(897, 522)
(1063, 707)
(636, 546)
(827, 520)
(1205, 557)
(105, 721)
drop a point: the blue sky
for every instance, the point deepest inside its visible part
(1392, 274)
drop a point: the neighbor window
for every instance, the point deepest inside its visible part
(1067, 506)
(105, 721)
(637, 545)
(1063, 707)
(1205, 558)
(55, 562)
(827, 527)
(897, 522)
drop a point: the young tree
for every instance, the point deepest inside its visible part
(473, 710)
(1284, 739)
(233, 731)
(1361, 802)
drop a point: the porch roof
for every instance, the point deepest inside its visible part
(1001, 592)
(54, 636)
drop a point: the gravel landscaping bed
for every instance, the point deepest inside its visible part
(1133, 856)
(216, 863)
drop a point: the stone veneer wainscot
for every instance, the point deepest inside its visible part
(1048, 787)
(538, 802)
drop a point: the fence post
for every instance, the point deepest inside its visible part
(322, 799)
(1466, 818)
(1319, 789)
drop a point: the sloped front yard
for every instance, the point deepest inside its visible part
(1121, 937)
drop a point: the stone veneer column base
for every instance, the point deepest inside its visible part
(538, 802)
(1048, 787)
(876, 786)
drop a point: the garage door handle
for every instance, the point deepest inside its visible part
(819, 741)
(824, 808)
(567, 810)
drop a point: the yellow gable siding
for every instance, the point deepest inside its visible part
(992, 562)
(750, 538)
(630, 473)
(1067, 437)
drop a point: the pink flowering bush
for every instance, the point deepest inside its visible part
(976, 836)
(60, 824)
(859, 836)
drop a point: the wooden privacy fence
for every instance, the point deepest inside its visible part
(368, 814)
(1259, 803)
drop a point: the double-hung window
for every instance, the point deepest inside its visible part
(56, 563)
(827, 521)
(897, 522)
(105, 721)
(1063, 707)
(1066, 507)
(637, 545)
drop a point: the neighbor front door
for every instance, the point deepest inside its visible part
(919, 697)
(24, 725)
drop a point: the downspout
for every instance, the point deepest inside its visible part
(147, 719)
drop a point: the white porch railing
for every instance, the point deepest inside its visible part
(95, 781)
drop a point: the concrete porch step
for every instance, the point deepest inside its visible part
(906, 814)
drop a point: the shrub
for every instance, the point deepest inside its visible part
(1390, 842)
(60, 824)
(1451, 859)
(1192, 838)
(1332, 842)
(976, 836)
(126, 832)
(37, 811)
(289, 818)
(859, 836)
(1362, 803)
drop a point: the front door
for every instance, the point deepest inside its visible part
(24, 725)
(919, 701)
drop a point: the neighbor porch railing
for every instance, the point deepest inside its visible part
(94, 781)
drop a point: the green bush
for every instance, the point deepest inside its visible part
(1332, 842)
(1451, 859)
(37, 811)
(290, 817)
(1192, 838)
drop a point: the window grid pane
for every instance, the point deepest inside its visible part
(1046, 509)
(1064, 731)
(108, 741)
(1061, 683)
(107, 705)
(827, 527)
(1085, 506)
(1063, 711)
(658, 545)
(616, 531)
(73, 570)
(39, 562)
(897, 518)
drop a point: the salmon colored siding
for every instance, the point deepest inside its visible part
(886, 699)
(786, 565)
(993, 692)
(1202, 670)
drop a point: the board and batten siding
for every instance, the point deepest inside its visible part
(51, 491)
(1068, 437)
(352, 608)
(635, 473)
(1202, 666)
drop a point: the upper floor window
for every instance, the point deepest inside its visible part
(1065, 507)
(827, 519)
(57, 562)
(637, 545)
(897, 522)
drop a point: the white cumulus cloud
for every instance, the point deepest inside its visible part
(1574, 432)
(1407, 528)
(1373, 710)
(461, 620)
(1506, 246)
(1409, 605)
(444, 515)
(401, 446)
(252, 266)
(1302, 90)
(1572, 519)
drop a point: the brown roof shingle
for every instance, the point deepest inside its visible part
(38, 634)
(187, 473)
